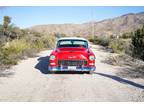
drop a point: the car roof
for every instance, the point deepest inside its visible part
(72, 38)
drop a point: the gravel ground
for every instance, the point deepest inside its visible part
(30, 81)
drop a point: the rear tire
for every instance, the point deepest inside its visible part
(91, 72)
(51, 72)
(87, 72)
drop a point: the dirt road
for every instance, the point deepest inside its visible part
(29, 81)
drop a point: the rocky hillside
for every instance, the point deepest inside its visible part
(117, 26)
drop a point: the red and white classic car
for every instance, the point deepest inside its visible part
(72, 54)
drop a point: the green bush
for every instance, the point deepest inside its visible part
(126, 35)
(49, 41)
(12, 51)
(118, 45)
(104, 41)
(138, 44)
(17, 46)
(6, 58)
(91, 39)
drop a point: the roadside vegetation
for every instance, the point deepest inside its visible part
(117, 45)
(128, 43)
(16, 43)
(130, 51)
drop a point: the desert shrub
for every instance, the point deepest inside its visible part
(104, 41)
(49, 41)
(43, 42)
(16, 49)
(128, 47)
(16, 46)
(118, 45)
(6, 58)
(138, 44)
(126, 35)
(121, 45)
(11, 52)
(91, 39)
(37, 44)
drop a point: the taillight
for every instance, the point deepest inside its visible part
(91, 57)
(52, 57)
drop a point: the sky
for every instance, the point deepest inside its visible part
(24, 17)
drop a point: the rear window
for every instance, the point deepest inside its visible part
(72, 43)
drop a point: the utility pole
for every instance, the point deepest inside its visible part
(92, 23)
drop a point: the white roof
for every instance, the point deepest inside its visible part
(73, 38)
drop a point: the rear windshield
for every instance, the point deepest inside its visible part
(72, 43)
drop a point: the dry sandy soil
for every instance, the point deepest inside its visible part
(30, 81)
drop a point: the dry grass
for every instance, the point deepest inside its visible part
(133, 68)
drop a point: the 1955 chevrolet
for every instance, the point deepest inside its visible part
(72, 54)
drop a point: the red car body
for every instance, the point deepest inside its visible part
(76, 57)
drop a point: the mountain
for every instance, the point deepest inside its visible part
(118, 25)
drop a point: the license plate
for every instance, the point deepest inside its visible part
(71, 67)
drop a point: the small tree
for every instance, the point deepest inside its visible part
(138, 44)
(6, 22)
